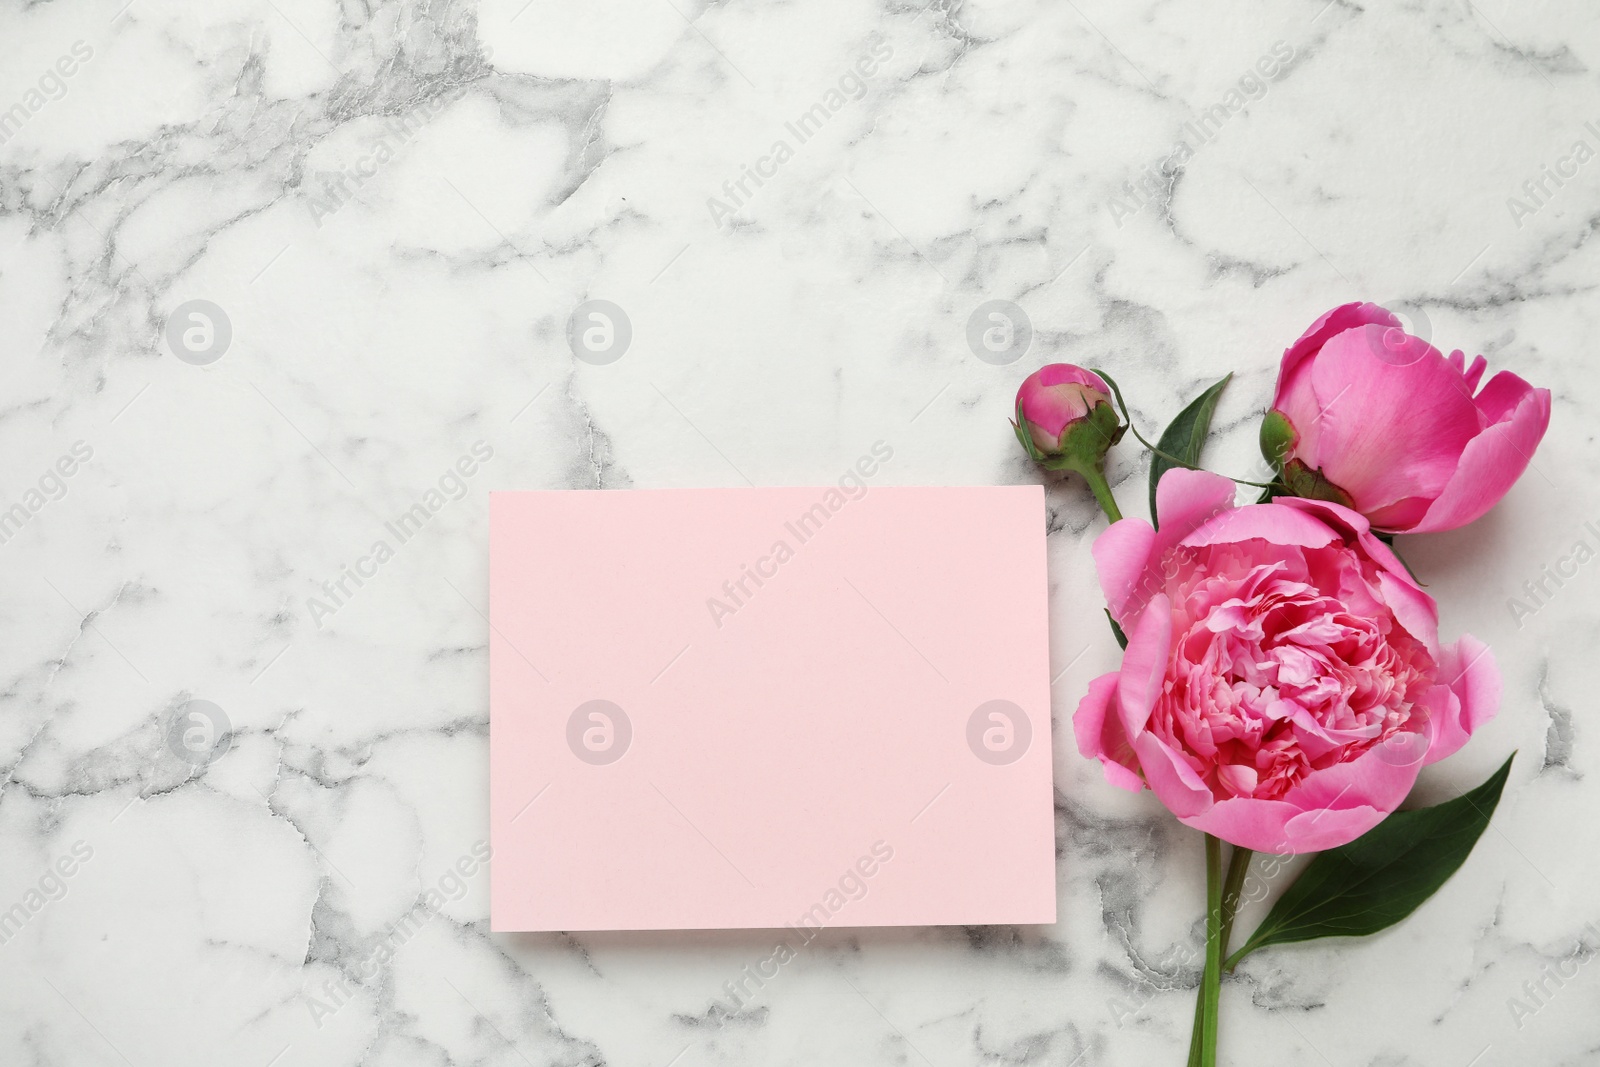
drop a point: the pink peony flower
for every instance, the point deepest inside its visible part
(1370, 416)
(1283, 682)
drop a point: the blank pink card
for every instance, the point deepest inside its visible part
(769, 707)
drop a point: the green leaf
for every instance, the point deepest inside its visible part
(1185, 437)
(1382, 876)
(1122, 638)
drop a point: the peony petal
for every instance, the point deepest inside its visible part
(1493, 460)
(1279, 524)
(1413, 609)
(1100, 736)
(1394, 416)
(1318, 831)
(1354, 526)
(1316, 739)
(1350, 523)
(1070, 374)
(1441, 709)
(1186, 500)
(1241, 779)
(1279, 827)
(1379, 778)
(1342, 318)
(1403, 514)
(1502, 396)
(1121, 558)
(1469, 670)
(1144, 666)
(1173, 781)
(1247, 822)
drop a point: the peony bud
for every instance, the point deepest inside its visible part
(1065, 421)
(1065, 418)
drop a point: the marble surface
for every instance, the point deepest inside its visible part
(392, 211)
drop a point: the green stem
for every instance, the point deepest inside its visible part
(1238, 868)
(1155, 451)
(1102, 492)
(1210, 983)
(1198, 1029)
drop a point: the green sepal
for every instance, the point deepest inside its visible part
(1300, 480)
(1277, 438)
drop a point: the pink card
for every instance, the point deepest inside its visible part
(769, 707)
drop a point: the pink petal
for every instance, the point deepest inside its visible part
(1496, 458)
(1393, 417)
(1502, 396)
(1121, 557)
(1100, 736)
(1442, 710)
(1469, 670)
(1279, 524)
(1247, 822)
(1128, 553)
(1279, 827)
(1239, 778)
(1070, 374)
(1378, 778)
(1328, 808)
(1144, 666)
(1354, 525)
(1342, 318)
(1413, 609)
(1403, 514)
(1186, 500)
(1174, 782)
(1318, 831)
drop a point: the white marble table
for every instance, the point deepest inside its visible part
(395, 210)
